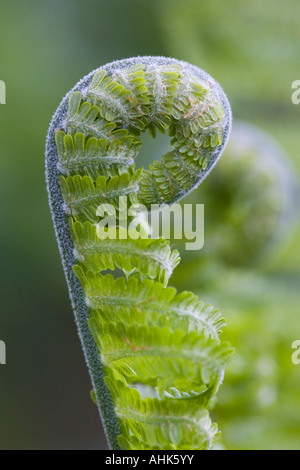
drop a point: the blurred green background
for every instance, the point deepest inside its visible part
(252, 49)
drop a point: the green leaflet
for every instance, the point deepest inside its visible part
(168, 177)
(118, 104)
(85, 118)
(93, 156)
(162, 83)
(134, 79)
(161, 424)
(165, 359)
(147, 303)
(159, 352)
(151, 259)
(83, 196)
(159, 98)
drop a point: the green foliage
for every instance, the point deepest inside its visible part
(161, 353)
(94, 157)
(149, 258)
(82, 195)
(162, 358)
(251, 210)
(250, 200)
(86, 118)
(260, 42)
(152, 424)
(148, 303)
(162, 84)
(259, 401)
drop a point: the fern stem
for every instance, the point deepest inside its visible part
(65, 243)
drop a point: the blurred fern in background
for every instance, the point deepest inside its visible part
(259, 406)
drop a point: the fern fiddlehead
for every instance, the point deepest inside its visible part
(155, 356)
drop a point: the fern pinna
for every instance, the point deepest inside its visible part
(155, 357)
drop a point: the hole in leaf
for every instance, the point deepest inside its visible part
(152, 149)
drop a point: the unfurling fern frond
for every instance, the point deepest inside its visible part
(155, 356)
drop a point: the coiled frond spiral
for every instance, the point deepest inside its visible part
(155, 356)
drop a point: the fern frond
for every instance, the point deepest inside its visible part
(82, 196)
(196, 110)
(155, 356)
(173, 175)
(162, 83)
(161, 424)
(198, 145)
(148, 303)
(116, 103)
(85, 118)
(197, 129)
(134, 79)
(151, 259)
(160, 357)
(93, 157)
